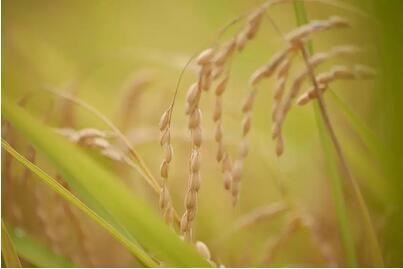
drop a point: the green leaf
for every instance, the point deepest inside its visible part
(358, 125)
(69, 197)
(35, 252)
(78, 169)
(389, 118)
(335, 178)
(8, 250)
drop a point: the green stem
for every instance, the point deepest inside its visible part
(336, 181)
(35, 252)
(367, 136)
(143, 257)
(8, 252)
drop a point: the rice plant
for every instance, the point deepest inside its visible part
(237, 134)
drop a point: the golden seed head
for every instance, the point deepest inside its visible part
(300, 33)
(257, 75)
(226, 162)
(203, 250)
(244, 147)
(190, 107)
(168, 153)
(195, 118)
(230, 47)
(218, 133)
(248, 103)
(90, 133)
(164, 120)
(279, 88)
(276, 129)
(310, 94)
(217, 71)
(205, 56)
(169, 215)
(303, 99)
(220, 153)
(113, 154)
(279, 146)
(235, 187)
(221, 86)
(326, 77)
(345, 50)
(185, 226)
(190, 202)
(164, 197)
(193, 93)
(343, 73)
(195, 182)
(164, 169)
(256, 16)
(217, 109)
(206, 77)
(100, 143)
(337, 21)
(195, 161)
(268, 69)
(70, 133)
(197, 136)
(237, 170)
(246, 123)
(283, 68)
(165, 137)
(254, 22)
(241, 40)
(227, 180)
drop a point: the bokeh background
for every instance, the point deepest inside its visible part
(100, 50)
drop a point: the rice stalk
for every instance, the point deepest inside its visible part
(69, 197)
(141, 167)
(348, 242)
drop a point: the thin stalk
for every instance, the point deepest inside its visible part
(342, 5)
(9, 254)
(35, 252)
(320, 107)
(336, 181)
(143, 257)
(140, 164)
(368, 137)
(325, 125)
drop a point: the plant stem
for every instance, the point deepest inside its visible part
(336, 181)
(136, 250)
(336, 185)
(8, 252)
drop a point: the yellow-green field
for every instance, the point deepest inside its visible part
(65, 203)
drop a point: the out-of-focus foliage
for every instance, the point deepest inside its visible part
(98, 49)
(389, 118)
(36, 253)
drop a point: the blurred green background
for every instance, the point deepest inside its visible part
(99, 48)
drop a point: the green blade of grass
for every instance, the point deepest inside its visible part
(388, 103)
(337, 193)
(125, 206)
(368, 137)
(143, 257)
(337, 183)
(335, 178)
(35, 252)
(8, 249)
